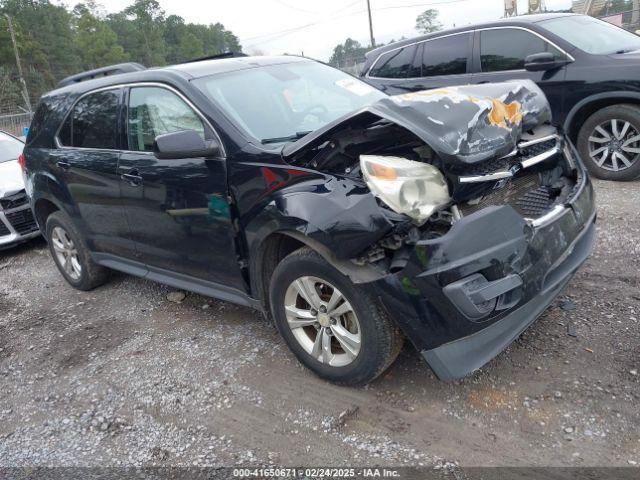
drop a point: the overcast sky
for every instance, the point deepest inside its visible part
(316, 26)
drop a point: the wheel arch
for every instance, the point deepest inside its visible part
(279, 244)
(590, 105)
(42, 208)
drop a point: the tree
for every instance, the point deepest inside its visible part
(96, 43)
(348, 53)
(190, 47)
(140, 29)
(427, 21)
(45, 39)
(55, 42)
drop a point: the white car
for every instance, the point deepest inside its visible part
(17, 223)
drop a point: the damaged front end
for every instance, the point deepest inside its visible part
(487, 212)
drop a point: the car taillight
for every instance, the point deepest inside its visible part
(22, 160)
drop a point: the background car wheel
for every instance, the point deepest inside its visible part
(334, 327)
(609, 143)
(71, 255)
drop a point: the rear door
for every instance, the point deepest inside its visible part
(436, 63)
(177, 209)
(86, 162)
(499, 55)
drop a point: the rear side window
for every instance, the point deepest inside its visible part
(394, 64)
(445, 56)
(93, 122)
(155, 111)
(506, 49)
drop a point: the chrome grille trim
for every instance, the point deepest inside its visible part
(486, 178)
(530, 162)
(526, 163)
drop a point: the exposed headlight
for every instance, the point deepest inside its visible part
(415, 189)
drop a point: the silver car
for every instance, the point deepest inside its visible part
(17, 223)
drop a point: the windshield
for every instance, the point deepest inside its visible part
(592, 35)
(10, 148)
(280, 103)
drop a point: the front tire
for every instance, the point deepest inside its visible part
(334, 327)
(71, 255)
(609, 143)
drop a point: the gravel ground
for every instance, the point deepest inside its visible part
(124, 376)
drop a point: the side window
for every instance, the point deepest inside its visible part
(506, 49)
(445, 56)
(155, 111)
(394, 64)
(93, 122)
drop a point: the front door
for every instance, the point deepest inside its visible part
(500, 55)
(177, 209)
(86, 163)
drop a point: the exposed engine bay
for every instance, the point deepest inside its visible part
(433, 157)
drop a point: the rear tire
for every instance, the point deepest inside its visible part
(361, 341)
(71, 254)
(609, 143)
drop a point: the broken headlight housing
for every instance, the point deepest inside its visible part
(415, 189)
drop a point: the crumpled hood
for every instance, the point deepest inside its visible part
(465, 124)
(10, 178)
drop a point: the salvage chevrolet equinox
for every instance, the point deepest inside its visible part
(451, 217)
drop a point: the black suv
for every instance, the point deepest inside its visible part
(354, 219)
(589, 70)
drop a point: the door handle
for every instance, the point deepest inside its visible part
(132, 178)
(63, 165)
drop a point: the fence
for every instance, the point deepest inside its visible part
(629, 20)
(15, 124)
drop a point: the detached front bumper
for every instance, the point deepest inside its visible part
(460, 357)
(465, 296)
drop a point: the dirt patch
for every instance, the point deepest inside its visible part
(122, 376)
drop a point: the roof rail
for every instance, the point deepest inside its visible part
(218, 56)
(101, 72)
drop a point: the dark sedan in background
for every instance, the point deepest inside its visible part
(589, 70)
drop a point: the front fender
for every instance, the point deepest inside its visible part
(338, 213)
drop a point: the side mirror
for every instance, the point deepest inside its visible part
(184, 144)
(541, 62)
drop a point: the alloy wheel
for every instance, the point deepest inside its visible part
(323, 321)
(66, 253)
(614, 145)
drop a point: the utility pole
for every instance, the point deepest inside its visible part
(25, 92)
(373, 42)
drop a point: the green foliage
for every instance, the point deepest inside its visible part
(348, 53)
(96, 43)
(427, 21)
(55, 42)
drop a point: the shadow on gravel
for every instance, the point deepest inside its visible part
(22, 248)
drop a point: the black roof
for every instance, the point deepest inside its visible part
(205, 68)
(184, 71)
(521, 20)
